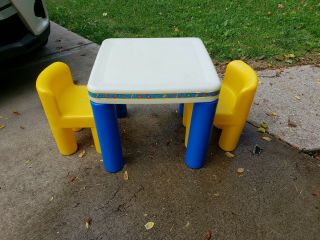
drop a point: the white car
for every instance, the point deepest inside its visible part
(24, 27)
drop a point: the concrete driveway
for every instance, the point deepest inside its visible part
(44, 195)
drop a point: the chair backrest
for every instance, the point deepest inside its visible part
(50, 83)
(243, 81)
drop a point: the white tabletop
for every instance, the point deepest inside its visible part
(153, 70)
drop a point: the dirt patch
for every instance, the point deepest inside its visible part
(279, 62)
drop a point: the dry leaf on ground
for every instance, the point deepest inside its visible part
(316, 193)
(261, 130)
(240, 170)
(290, 55)
(229, 155)
(16, 113)
(88, 222)
(2, 126)
(149, 225)
(291, 123)
(272, 114)
(82, 154)
(280, 5)
(264, 125)
(208, 235)
(297, 97)
(72, 178)
(268, 139)
(279, 71)
(125, 175)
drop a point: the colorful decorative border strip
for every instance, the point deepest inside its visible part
(153, 96)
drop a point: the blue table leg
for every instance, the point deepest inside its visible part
(122, 111)
(109, 136)
(181, 106)
(200, 132)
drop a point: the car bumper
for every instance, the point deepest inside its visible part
(26, 44)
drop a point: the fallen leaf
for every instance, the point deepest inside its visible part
(2, 126)
(145, 214)
(51, 199)
(72, 178)
(149, 225)
(279, 71)
(297, 97)
(125, 175)
(88, 222)
(240, 170)
(187, 224)
(290, 55)
(208, 235)
(261, 130)
(280, 6)
(229, 155)
(82, 153)
(257, 150)
(272, 114)
(291, 123)
(264, 125)
(16, 113)
(171, 227)
(316, 193)
(22, 127)
(268, 139)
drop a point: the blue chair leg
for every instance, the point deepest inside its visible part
(109, 136)
(200, 133)
(181, 106)
(122, 111)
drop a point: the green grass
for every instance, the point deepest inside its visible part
(230, 29)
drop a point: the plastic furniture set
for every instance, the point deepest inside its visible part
(148, 71)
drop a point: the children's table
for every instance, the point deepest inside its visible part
(153, 71)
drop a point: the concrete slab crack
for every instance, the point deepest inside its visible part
(124, 206)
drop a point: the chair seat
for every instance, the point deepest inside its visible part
(75, 108)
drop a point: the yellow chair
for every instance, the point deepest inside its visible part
(66, 106)
(235, 99)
